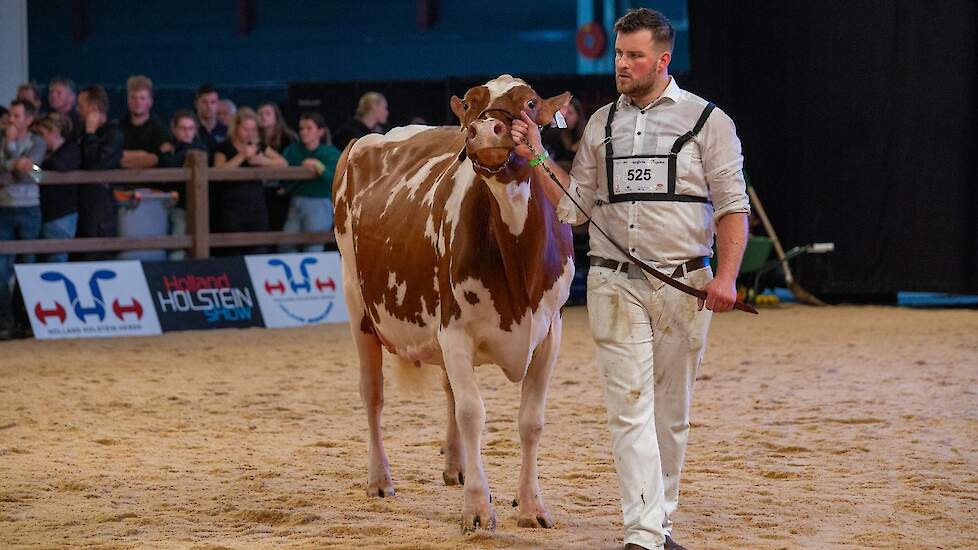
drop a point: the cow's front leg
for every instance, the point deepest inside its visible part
(379, 482)
(531, 510)
(470, 414)
(454, 473)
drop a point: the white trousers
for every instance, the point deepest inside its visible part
(650, 340)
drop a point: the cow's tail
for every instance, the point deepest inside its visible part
(414, 378)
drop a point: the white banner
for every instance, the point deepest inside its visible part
(87, 299)
(294, 290)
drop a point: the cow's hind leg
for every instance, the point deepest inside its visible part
(379, 482)
(531, 510)
(454, 473)
(470, 414)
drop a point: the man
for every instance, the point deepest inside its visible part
(649, 336)
(370, 118)
(142, 134)
(210, 129)
(62, 94)
(225, 112)
(183, 128)
(30, 92)
(101, 148)
(20, 204)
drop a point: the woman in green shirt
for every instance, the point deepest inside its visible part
(311, 207)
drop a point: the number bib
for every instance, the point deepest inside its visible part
(641, 175)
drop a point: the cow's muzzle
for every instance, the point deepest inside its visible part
(489, 144)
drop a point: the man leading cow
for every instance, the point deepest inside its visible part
(674, 179)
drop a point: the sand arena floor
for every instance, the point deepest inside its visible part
(846, 427)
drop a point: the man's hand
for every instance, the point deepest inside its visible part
(11, 133)
(720, 295)
(524, 128)
(23, 165)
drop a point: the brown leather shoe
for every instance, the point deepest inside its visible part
(672, 545)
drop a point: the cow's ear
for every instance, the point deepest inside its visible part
(458, 108)
(550, 106)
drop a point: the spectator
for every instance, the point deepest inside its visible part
(59, 203)
(62, 94)
(4, 118)
(311, 207)
(562, 143)
(275, 134)
(240, 206)
(183, 127)
(225, 111)
(30, 92)
(370, 118)
(20, 210)
(210, 129)
(142, 134)
(101, 149)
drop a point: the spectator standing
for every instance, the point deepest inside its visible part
(59, 203)
(311, 205)
(30, 92)
(142, 133)
(101, 149)
(239, 206)
(183, 128)
(62, 95)
(275, 134)
(370, 118)
(225, 112)
(210, 129)
(20, 210)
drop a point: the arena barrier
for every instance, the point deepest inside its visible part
(133, 298)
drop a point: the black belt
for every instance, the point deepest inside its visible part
(689, 267)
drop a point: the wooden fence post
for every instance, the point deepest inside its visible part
(198, 207)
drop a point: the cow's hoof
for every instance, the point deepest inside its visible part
(543, 520)
(381, 490)
(453, 478)
(471, 524)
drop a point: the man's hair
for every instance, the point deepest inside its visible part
(32, 86)
(97, 96)
(53, 122)
(29, 108)
(181, 114)
(367, 102)
(66, 82)
(205, 89)
(652, 20)
(138, 83)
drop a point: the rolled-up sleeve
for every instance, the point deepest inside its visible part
(584, 182)
(723, 166)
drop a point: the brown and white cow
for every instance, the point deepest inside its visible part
(452, 256)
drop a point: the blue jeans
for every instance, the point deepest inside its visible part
(59, 228)
(16, 224)
(307, 214)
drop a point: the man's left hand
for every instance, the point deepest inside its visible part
(720, 295)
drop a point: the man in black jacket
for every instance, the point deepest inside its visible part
(101, 148)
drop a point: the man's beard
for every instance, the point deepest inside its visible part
(636, 88)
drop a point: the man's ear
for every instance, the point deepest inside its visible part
(458, 109)
(550, 106)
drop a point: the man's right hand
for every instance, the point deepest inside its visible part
(11, 133)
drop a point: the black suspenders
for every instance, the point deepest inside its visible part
(670, 194)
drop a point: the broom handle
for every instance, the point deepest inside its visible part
(756, 203)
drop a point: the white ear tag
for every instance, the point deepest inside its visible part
(559, 121)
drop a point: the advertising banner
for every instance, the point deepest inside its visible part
(203, 294)
(298, 289)
(87, 299)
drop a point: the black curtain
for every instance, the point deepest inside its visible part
(858, 125)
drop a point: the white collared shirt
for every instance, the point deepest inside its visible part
(709, 165)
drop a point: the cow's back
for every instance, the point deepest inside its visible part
(390, 202)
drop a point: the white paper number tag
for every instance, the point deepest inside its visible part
(559, 121)
(641, 175)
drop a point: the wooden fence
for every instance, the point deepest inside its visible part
(198, 240)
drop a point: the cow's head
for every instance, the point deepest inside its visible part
(486, 114)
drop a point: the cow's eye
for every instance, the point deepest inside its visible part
(465, 105)
(532, 104)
